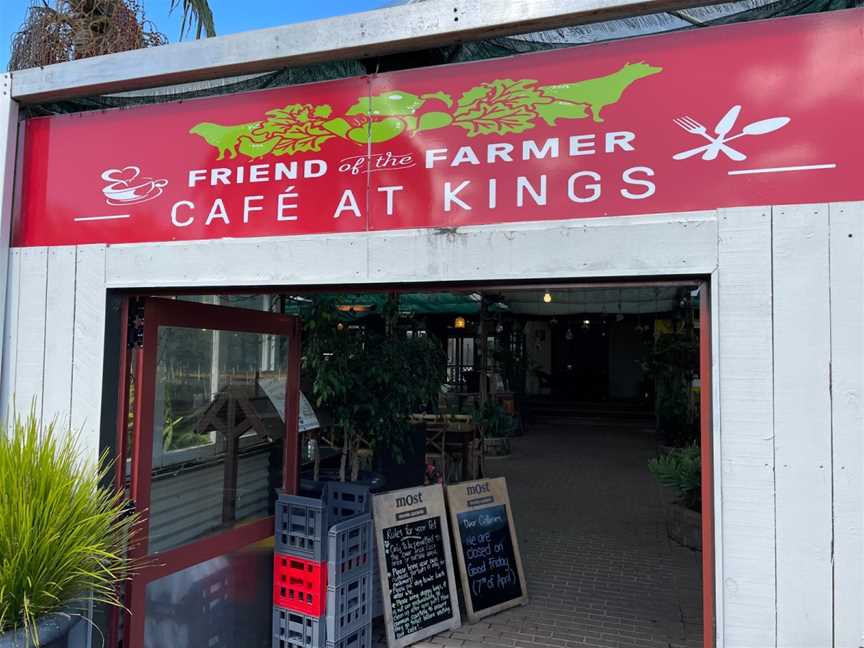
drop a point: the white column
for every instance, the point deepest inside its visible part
(8, 144)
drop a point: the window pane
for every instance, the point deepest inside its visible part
(218, 426)
(225, 602)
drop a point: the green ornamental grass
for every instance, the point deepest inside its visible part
(63, 536)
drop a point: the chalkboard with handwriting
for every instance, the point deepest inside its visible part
(490, 566)
(416, 565)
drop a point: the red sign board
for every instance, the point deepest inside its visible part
(751, 114)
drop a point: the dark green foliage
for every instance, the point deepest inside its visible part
(369, 380)
(673, 364)
(681, 471)
(493, 420)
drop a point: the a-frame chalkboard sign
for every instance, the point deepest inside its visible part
(416, 564)
(488, 553)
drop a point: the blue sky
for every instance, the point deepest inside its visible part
(231, 15)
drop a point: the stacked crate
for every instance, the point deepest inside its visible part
(323, 566)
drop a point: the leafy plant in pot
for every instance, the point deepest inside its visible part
(63, 536)
(496, 427)
(672, 364)
(370, 380)
(681, 471)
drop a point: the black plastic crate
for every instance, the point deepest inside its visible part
(377, 595)
(295, 630)
(346, 500)
(301, 527)
(349, 550)
(349, 607)
(360, 638)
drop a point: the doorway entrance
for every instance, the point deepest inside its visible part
(567, 370)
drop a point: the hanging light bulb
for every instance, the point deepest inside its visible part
(459, 323)
(547, 297)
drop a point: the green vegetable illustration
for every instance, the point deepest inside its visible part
(497, 107)
(394, 112)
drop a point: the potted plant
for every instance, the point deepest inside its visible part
(496, 428)
(680, 470)
(369, 380)
(63, 536)
(672, 364)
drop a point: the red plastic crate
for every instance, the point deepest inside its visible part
(300, 585)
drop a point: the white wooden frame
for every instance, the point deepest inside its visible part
(383, 31)
(8, 151)
(788, 313)
(787, 485)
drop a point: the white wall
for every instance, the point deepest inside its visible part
(54, 334)
(788, 345)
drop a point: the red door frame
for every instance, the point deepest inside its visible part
(169, 312)
(706, 400)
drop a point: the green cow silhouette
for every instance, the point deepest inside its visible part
(573, 100)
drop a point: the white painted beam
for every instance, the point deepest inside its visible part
(746, 444)
(88, 346)
(8, 149)
(632, 246)
(383, 31)
(802, 425)
(847, 420)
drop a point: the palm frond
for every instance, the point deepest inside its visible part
(196, 13)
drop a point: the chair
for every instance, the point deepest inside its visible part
(436, 443)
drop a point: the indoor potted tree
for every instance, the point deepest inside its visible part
(672, 364)
(63, 535)
(369, 380)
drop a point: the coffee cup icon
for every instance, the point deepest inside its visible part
(127, 186)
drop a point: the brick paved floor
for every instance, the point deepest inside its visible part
(601, 571)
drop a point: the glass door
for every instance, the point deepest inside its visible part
(216, 407)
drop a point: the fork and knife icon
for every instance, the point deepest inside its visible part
(718, 143)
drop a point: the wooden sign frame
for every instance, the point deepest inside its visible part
(405, 507)
(476, 496)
